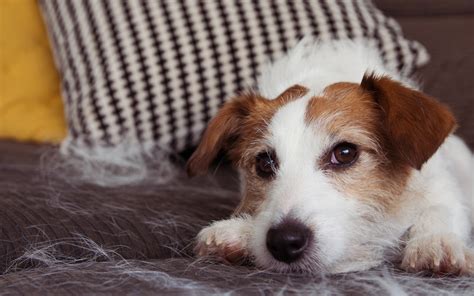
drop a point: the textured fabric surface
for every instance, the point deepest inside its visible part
(185, 276)
(30, 104)
(155, 72)
(59, 238)
(39, 208)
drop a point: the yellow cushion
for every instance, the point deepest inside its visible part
(30, 103)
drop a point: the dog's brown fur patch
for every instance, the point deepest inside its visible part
(386, 121)
(251, 144)
(239, 128)
(414, 124)
(238, 124)
(349, 114)
(346, 111)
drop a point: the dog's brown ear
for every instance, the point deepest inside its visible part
(220, 133)
(414, 124)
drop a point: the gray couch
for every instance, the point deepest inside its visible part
(57, 237)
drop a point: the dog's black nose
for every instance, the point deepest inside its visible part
(288, 240)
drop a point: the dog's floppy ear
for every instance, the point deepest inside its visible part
(414, 124)
(221, 131)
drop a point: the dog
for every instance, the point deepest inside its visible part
(341, 162)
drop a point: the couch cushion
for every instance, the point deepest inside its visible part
(60, 238)
(42, 212)
(186, 276)
(29, 82)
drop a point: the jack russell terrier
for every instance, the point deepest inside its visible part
(340, 161)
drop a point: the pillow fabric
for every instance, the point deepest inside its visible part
(154, 72)
(31, 108)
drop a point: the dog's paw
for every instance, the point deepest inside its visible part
(226, 240)
(440, 254)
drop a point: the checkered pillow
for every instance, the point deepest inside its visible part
(154, 72)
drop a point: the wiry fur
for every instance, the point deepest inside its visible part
(317, 64)
(124, 164)
(397, 192)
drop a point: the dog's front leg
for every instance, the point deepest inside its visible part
(437, 243)
(226, 239)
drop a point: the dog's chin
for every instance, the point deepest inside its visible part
(308, 264)
(303, 266)
(313, 266)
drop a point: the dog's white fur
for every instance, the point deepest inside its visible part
(433, 212)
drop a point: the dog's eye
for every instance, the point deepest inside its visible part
(344, 154)
(266, 164)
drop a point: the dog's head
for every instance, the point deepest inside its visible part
(323, 174)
